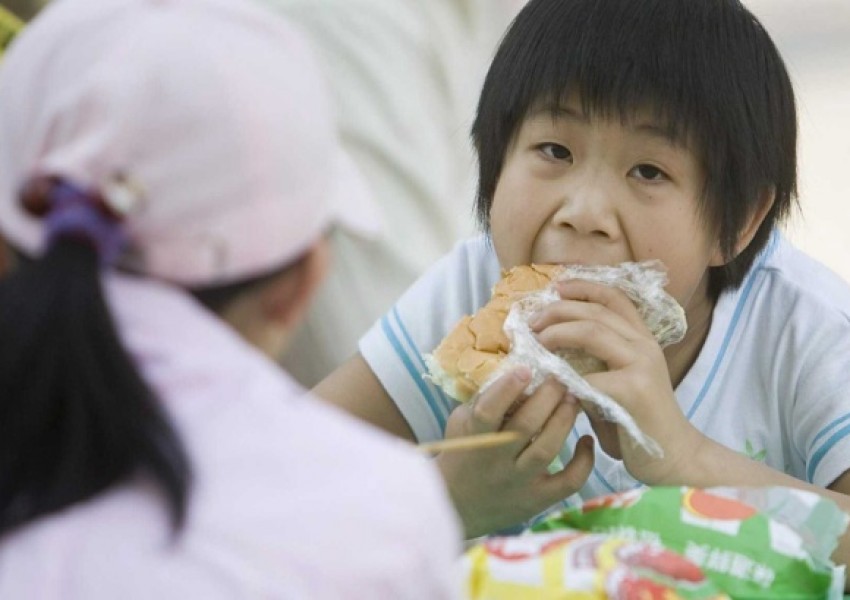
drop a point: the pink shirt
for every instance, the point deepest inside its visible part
(292, 498)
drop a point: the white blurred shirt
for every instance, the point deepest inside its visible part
(405, 77)
(292, 498)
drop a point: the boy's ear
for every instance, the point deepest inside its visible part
(752, 225)
(747, 234)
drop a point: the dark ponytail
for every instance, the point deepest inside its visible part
(75, 415)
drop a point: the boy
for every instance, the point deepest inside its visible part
(611, 131)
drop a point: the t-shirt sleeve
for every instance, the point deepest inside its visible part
(820, 414)
(457, 285)
(822, 411)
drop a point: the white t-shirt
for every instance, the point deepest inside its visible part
(772, 379)
(292, 498)
(405, 77)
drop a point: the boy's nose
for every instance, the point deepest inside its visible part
(588, 208)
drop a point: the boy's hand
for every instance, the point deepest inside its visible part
(602, 321)
(499, 487)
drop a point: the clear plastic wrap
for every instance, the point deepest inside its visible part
(644, 284)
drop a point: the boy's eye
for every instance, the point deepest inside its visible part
(649, 172)
(555, 151)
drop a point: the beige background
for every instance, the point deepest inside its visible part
(814, 38)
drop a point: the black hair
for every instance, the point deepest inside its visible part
(76, 417)
(707, 69)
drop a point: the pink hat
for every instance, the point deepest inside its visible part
(207, 116)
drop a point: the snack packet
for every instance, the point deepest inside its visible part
(581, 566)
(752, 543)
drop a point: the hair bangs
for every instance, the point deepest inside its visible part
(618, 72)
(622, 60)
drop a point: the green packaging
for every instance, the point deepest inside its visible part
(752, 543)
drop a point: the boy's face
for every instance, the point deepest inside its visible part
(592, 191)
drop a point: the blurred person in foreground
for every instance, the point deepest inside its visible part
(167, 185)
(405, 76)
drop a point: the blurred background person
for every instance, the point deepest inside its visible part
(169, 171)
(405, 76)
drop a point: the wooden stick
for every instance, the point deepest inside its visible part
(470, 442)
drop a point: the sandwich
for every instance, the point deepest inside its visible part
(467, 358)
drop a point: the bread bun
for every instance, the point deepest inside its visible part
(475, 347)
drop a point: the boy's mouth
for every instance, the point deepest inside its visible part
(573, 263)
(566, 258)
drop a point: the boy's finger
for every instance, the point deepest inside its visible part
(488, 410)
(573, 476)
(592, 337)
(534, 412)
(542, 451)
(577, 310)
(610, 297)
(606, 433)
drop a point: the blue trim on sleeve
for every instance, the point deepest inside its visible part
(435, 390)
(817, 457)
(827, 429)
(414, 373)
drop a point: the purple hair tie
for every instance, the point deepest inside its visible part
(71, 212)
